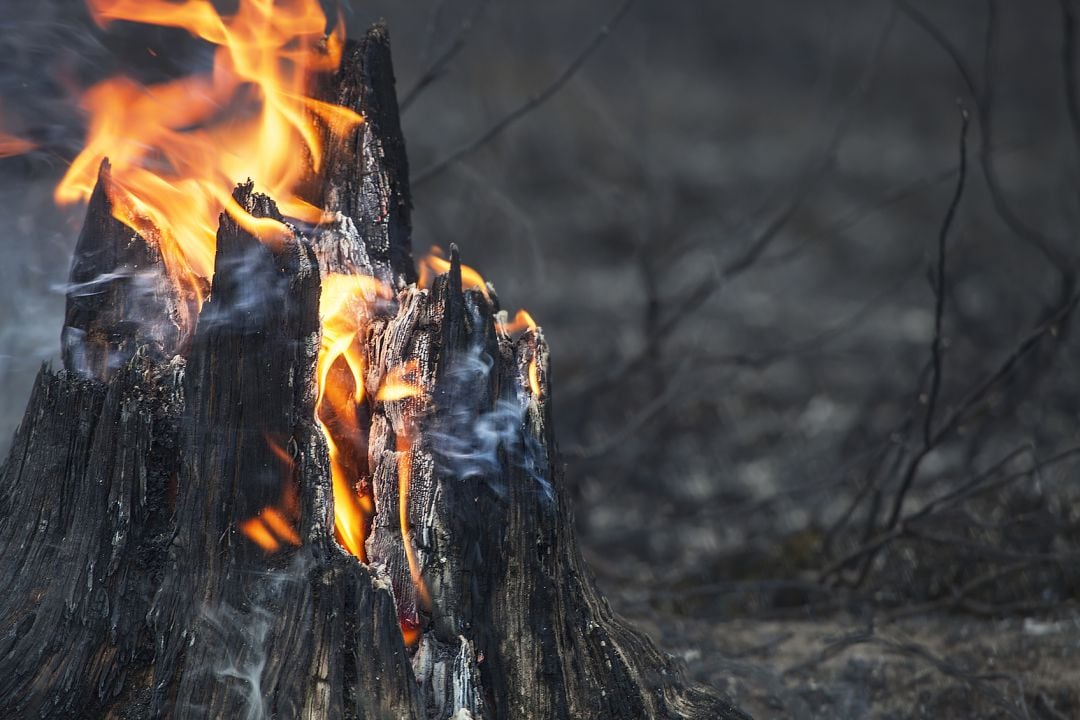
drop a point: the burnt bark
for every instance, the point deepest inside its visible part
(129, 587)
(118, 296)
(364, 177)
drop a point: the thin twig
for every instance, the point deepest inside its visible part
(939, 284)
(693, 299)
(438, 66)
(973, 487)
(983, 101)
(533, 102)
(980, 682)
(939, 311)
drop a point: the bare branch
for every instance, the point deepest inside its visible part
(982, 102)
(438, 66)
(939, 285)
(533, 102)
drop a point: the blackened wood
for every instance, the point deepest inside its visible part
(118, 296)
(493, 531)
(85, 498)
(365, 174)
(242, 633)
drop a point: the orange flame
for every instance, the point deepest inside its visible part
(344, 310)
(434, 263)
(177, 148)
(280, 526)
(273, 526)
(522, 321)
(400, 383)
(410, 632)
(404, 451)
(257, 531)
(534, 379)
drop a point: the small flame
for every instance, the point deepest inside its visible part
(280, 526)
(177, 148)
(257, 531)
(534, 379)
(269, 530)
(410, 632)
(522, 321)
(435, 263)
(400, 383)
(273, 526)
(404, 451)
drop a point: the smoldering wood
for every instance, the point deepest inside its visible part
(127, 589)
(118, 297)
(365, 173)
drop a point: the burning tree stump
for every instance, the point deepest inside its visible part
(171, 541)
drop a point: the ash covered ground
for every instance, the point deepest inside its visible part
(830, 471)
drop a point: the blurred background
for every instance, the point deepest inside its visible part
(815, 374)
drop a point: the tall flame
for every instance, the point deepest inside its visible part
(344, 310)
(177, 148)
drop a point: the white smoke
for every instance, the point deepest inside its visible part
(238, 640)
(254, 289)
(471, 441)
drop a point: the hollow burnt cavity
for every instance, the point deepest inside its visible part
(173, 532)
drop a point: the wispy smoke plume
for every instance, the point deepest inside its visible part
(474, 441)
(238, 640)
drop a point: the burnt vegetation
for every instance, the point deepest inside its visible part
(819, 429)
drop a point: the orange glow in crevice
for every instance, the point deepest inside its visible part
(404, 462)
(276, 524)
(534, 379)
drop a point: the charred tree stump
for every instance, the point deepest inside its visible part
(129, 587)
